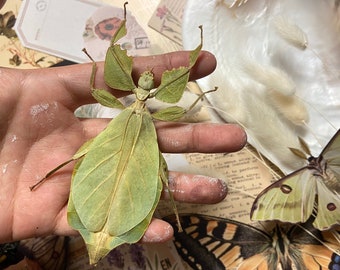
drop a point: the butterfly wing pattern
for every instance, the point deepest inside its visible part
(50, 252)
(316, 186)
(208, 242)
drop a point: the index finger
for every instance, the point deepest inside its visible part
(76, 78)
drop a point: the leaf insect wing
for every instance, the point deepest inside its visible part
(163, 175)
(173, 82)
(121, 31)
(118, 65)
(108, 241)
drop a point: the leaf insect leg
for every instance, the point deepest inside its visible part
(200, 97)
(174, 113)
(49, 174)
(78, 155)
(163, 170)
(163, 174)
(104, 97)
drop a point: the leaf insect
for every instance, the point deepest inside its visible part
(118, 176)
(317, 185)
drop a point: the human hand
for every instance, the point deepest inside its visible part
(38, 131)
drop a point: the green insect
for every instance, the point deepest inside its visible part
(119, 175)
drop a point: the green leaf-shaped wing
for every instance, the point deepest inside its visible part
(172, 85)
(121, 31)
(174, 81)
(99, 244)
(118, 65)
(117, 181)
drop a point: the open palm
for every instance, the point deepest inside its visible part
(38, 131)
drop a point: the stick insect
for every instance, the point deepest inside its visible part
(119, 175)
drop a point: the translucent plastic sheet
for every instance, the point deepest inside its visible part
(278, 70)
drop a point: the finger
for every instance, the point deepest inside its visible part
(201, 137)
(176, 137)
(76, 78)
(206, 64)
(158, 231)
(185, 188)
(191, 188)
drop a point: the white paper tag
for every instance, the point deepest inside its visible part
(64, 27)
(55, 26)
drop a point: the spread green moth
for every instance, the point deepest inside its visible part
(315, 187)
(119, 175)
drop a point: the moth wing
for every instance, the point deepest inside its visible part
(290, 199)
(50, 251)
(117, 180)
(217, 243)
(317, 249)
(331, 153)
(328, 213)
(333, 145)
(316, 257)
